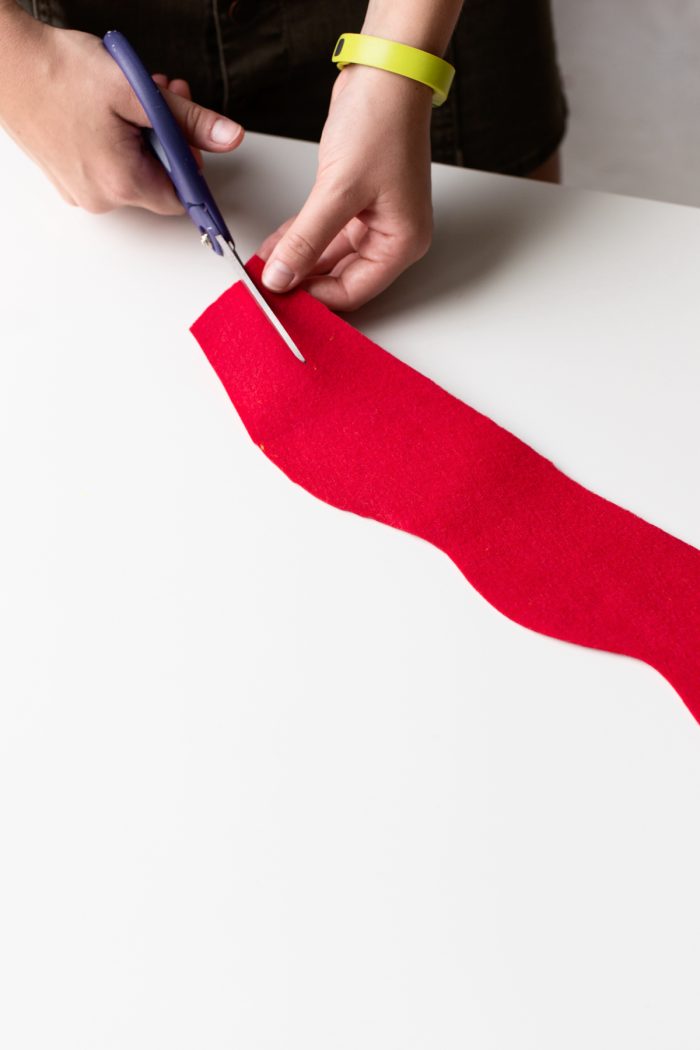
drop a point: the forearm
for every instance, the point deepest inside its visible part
(427, 24)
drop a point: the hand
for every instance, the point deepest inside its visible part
(74, 113)
(369, 214)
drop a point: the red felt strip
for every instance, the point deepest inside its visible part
(366, 433)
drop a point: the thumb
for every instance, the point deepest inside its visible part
(204, 128)
(182, 88)
(323, 216)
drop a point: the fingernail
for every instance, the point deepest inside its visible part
(277, 276)
(224, 131)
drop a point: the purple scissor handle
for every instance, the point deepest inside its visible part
(171, 148)
(169, 144)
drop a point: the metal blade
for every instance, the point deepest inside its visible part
(264, 306)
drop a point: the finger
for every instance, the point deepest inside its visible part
(138, 180)
(154, 191)
(129, 174)
(182, 88)
(347, 243)
(343, 264)
(161, 80)
(354, 285)
(202, 127)
(320, 220)
(369, 272)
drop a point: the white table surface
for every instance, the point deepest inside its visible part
(273, 777)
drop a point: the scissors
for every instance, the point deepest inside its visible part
(172, 150)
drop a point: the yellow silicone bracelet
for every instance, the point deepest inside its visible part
(408, 61)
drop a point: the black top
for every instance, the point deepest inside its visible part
(266, 63)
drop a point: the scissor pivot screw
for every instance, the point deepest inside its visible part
(206, 240)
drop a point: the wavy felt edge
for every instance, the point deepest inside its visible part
(586, 571)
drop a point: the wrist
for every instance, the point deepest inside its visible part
(390, 91)
(395, 29)
(402, 60)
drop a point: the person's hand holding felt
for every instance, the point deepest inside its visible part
(68, 105)
(369, 214)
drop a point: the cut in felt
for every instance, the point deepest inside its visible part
(368, 434)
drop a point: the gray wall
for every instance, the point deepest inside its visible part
(632, 74)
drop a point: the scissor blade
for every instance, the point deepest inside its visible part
(264, 306)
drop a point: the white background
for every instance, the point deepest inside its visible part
(272, 776)
(632, 77)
